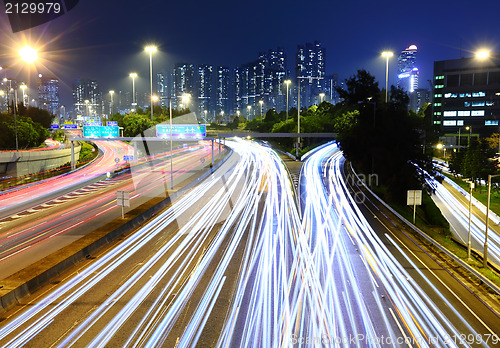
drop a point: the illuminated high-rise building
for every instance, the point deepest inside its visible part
(86, 90)
(310, 70)
(205, 92)
(222, 84)
(48, 94)
(184, 83)
(407, 69)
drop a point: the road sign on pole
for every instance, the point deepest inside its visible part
(123, 200)
(414, 197)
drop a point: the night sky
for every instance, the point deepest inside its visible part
(105, 39)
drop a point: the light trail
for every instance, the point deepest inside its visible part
(328, 279)
(457, 215)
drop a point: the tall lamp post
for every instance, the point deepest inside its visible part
(111, 108)
(485, 254)
(287, 82)
(310, 78)
(249, 108)
(471, 186)
(321, 97)
(469, 128)
(387, 55)
(133, 76)
(261, 102)
(23, 87)
(151, 50)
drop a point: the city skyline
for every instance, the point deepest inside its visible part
(105, 42)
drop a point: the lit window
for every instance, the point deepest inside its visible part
(464, 113)
(489, 103)
(447, 95)
(466, 104)
(491, 123)
(437, 122)
(478, 103)
(438, 95)
(450, 95)
(450, 113)
(437, 113)
(439, 77)
(477, 113)
(439, 86)
(460, 122)
(437, 104)
(478, 94)
(449, 123)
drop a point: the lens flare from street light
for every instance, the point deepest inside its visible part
(28, 54)
(133, 75)
(150, 49)
(387, 54)
(482, 54)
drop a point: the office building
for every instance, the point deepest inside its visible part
(467, 93)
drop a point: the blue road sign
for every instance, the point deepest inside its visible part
(181, 130)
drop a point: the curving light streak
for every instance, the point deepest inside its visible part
(328, 277)
(457, 215)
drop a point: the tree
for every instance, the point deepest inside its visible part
(360, 87)
(381, 138)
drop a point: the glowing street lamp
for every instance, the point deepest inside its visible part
(387, 55)
(151, 50)
(185, 99)
(87, 107)
(249, 108)
(321, 97)
(23, 87)
(28, 54)
(111, 95)
(133, 76)
(261, 102)
(287, 82)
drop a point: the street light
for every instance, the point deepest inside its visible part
(133, 76)
(321, 96)
(249, 108)
(261, 102)
(23, 87)
(151, 50)
(28, 54)
(485, 254)
(185, 99)
(387, 55)
(484, 54)
(87, 107)
(111, 95)
(469, 128)
(471, 185)
(287, 86)
(310, 78)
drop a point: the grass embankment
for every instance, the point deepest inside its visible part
(481, 194)
(430, 220)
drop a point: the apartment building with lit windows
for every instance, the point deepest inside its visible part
(467, 94)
